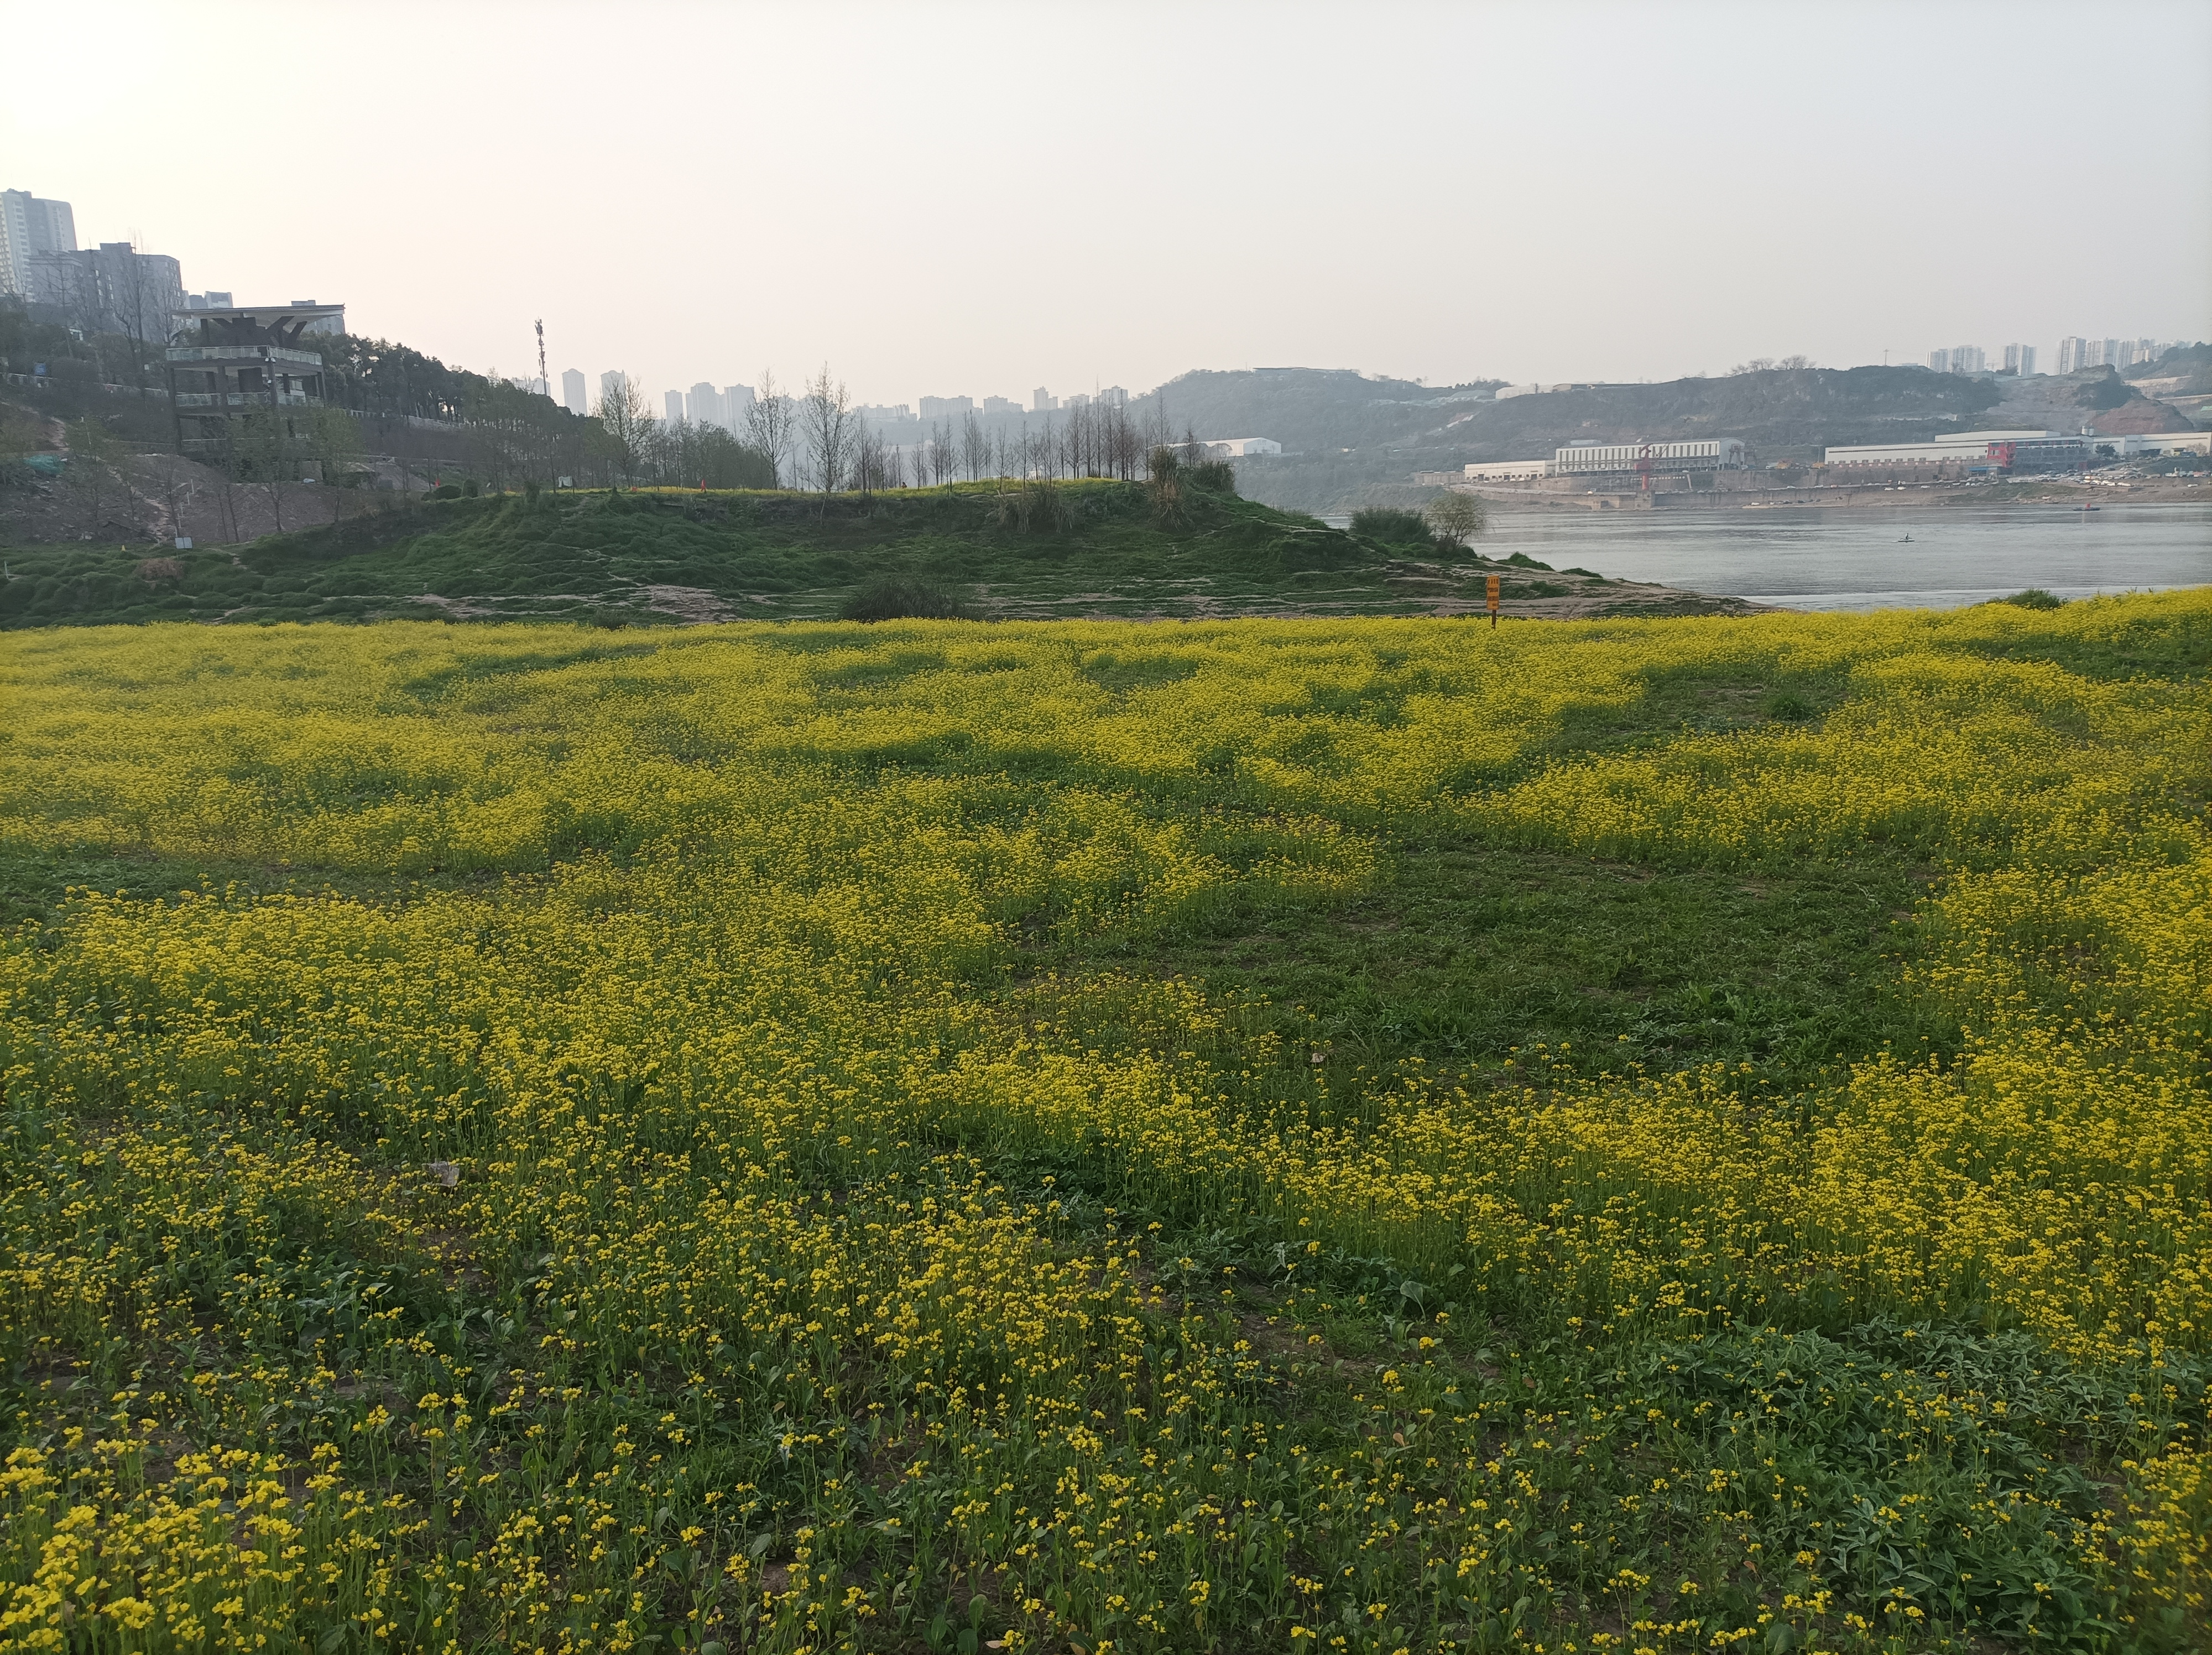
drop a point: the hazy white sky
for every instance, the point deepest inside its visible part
(975, 199)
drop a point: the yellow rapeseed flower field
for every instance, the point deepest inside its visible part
(546, 1138)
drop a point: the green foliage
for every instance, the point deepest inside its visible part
(1391, 525)
(894, 598)
(1214, 476)
(1092, 547)
(2034, 598)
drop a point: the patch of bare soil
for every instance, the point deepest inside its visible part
(693, 606)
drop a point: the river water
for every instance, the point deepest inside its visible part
(1807, 558)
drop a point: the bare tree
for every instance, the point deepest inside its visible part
(629, 424)
(826, 417)
(94, 478)
(942, 458)
(975, 446)
(1455, 516)
(768, 424)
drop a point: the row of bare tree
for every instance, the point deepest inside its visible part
(814, 440)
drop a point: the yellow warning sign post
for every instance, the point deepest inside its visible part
(1490, 584)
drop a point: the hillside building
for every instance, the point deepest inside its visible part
(1970, 452)
(1507, 471)
(1240, 447)
(31, 225)
(225, 366)
(1713, 454)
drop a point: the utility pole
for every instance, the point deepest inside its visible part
(544, 384)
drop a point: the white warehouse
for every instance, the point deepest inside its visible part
(1240, 447)
(1721, 453)
(1509, 470)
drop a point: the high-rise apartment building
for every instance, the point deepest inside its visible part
(611, 383)
(571, 392)
(2073, 355)
(735, 398)
(1042, 403)
(29, 225)
(671, 406)
(2020, 359)
(946, 407)
(996, 406)
(1113, 397)
(111, 288)
(703, 405)
(1939, 361)
(1966, 359)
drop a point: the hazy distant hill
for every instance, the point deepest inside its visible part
(1358, 440)
(1309, 411)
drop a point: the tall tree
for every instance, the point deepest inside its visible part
(629, 424)
(825, 414)
(768, 425)
(975, 446)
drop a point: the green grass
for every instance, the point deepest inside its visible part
(658, 557)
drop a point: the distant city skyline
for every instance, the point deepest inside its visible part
(111, 284)
(1399, 189)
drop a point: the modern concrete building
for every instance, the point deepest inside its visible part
(2020, 359)
(946, 407)
(1043, 403)
(1240, 447)
(1969, 451)
(225, 366)
(997, 407)
(703, 405)
(611, 382)
(1714, 454)
(671, 406)
(571, 392)
(29, 225)
(1113, 397)
(211, 299)
(1507, 471)
(110, 289)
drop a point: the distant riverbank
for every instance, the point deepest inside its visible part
(1939, 558)
(2040, 495)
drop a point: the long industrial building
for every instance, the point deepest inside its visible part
(2025, 451)
(1714, 454)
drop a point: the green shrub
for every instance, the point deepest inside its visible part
(2034, 598)
(1393, 525)
(1213, 477)
(896, 598)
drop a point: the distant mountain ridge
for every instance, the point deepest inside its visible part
(1351, 440)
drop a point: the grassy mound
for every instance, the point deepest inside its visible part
(664, 556)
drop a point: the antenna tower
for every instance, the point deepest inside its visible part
(544, 384)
